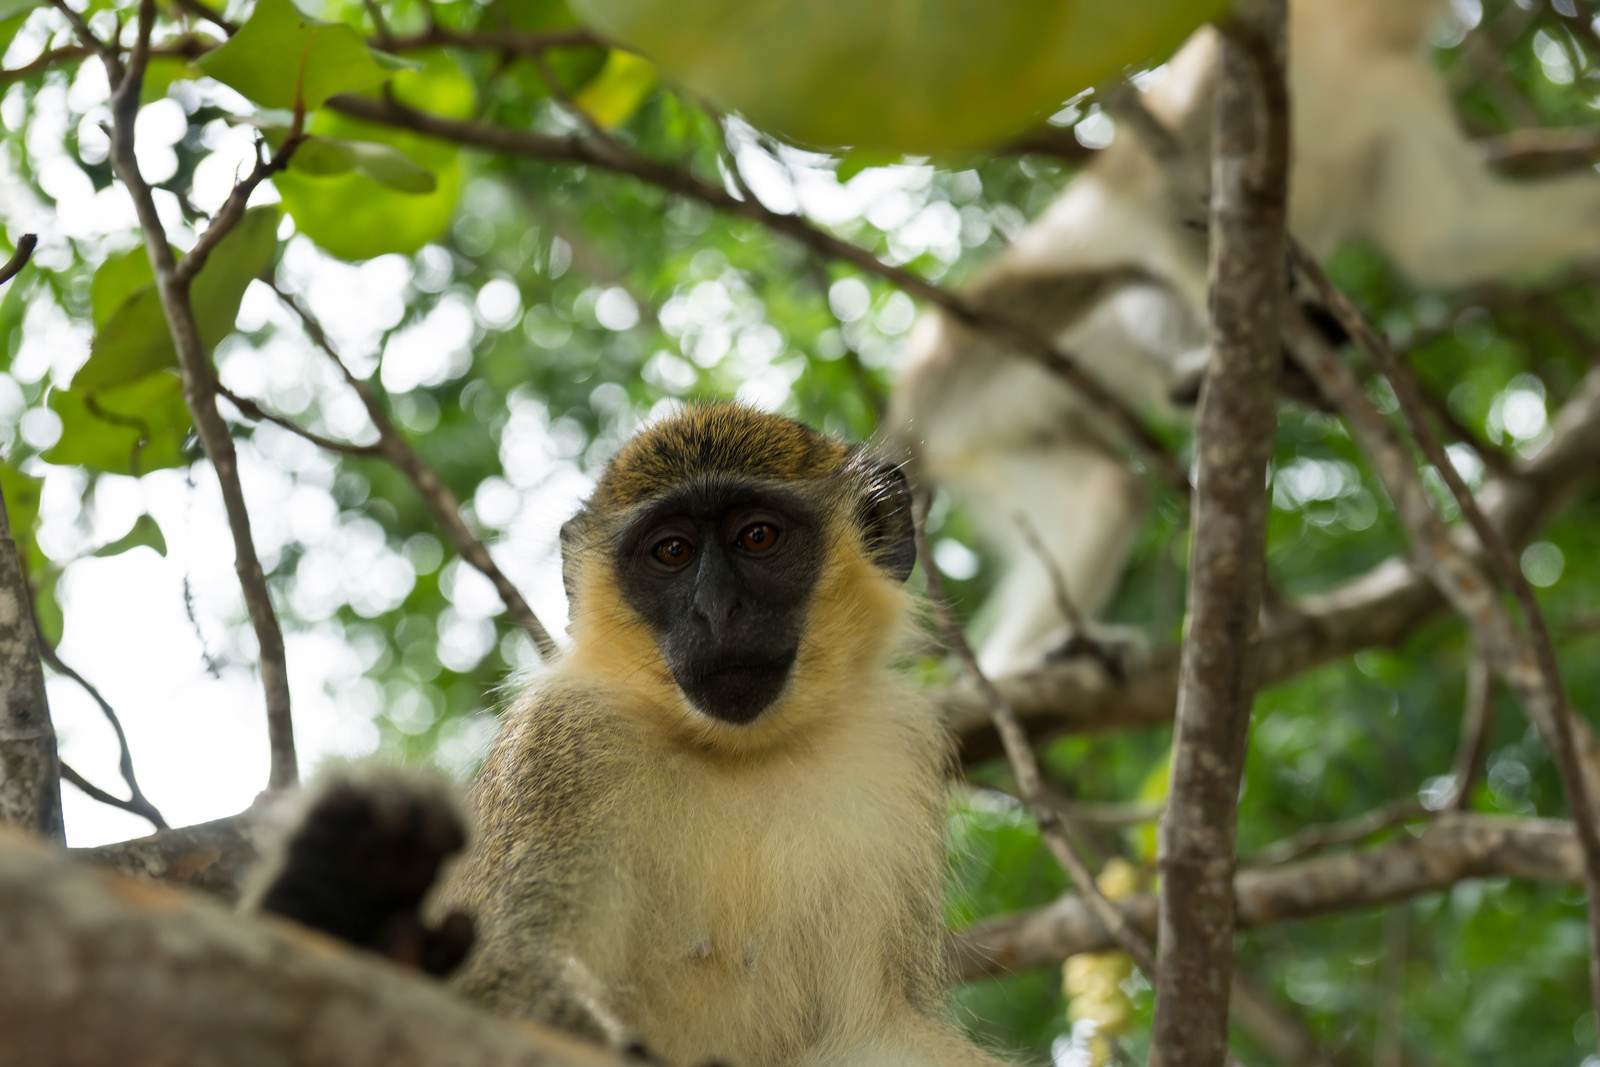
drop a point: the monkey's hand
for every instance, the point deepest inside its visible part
(359, 864)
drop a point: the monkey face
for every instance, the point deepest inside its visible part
(722, 571)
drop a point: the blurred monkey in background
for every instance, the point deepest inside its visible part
(1115, 272)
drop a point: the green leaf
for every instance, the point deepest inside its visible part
(145, 533)
(614, 94)
(22, 513)
(130, 429)
(47, 606)
(384, 164)
(281, 54)
(132, 340)
(858, 160)
(1153, 788)
(10, 9)
(118, 278)
(361, 213)
(8, 29)
(912, 76)
(161, 72)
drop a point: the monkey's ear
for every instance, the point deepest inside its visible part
(886, 520)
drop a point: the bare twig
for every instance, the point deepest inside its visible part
(393, 446)
(1052, 826)
(1474, 742)
(19, 258)
(94, 792)
(1325, 835)
(610, 154)
(30, 774)
(1233, 444)
(1387, 1050)
(1525, 662)
(205, 11)
(108, 52)
(254, 411)
(199, 378)
(137, 802)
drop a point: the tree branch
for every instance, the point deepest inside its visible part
(393, 446)
(199, 378)
(30, 773)
(19, 259)
(1052, 825)
(212, 857)
(137, 802)
(1453, 847)
(611, 154)
(1378, 609)
(1233, 445)
(99, 969)
(1525, 662)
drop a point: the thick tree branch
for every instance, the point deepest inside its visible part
(1233, 444)
(30, 772)
(393, 446)
(610, 154)
(199, 378)
(211, 857)
(98, 969)
(1453, 847)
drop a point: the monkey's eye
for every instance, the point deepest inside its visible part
(757, 538)
(674, 551)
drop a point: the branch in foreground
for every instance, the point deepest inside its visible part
(612, 155)
(393, 446)
(1453, 847)
(1024, 766)
(30, 772)
(199, 378)
(1227, 571)
(98, 970)
(211, 857)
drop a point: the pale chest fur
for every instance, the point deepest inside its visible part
(773, 900)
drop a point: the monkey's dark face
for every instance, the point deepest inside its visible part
(723, 572)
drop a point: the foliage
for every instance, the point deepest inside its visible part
(520, 318)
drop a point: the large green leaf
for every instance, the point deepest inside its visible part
(130, 429)
(354, 216)
(909, 76)
(280, 54)
(131, 337)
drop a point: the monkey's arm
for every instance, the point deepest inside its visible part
(359, 862)
(536, 875)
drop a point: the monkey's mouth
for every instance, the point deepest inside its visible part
(735, 689)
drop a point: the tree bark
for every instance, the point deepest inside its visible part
(1233, 443)
(100, 970)
(30, 769)
(1453, 847)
